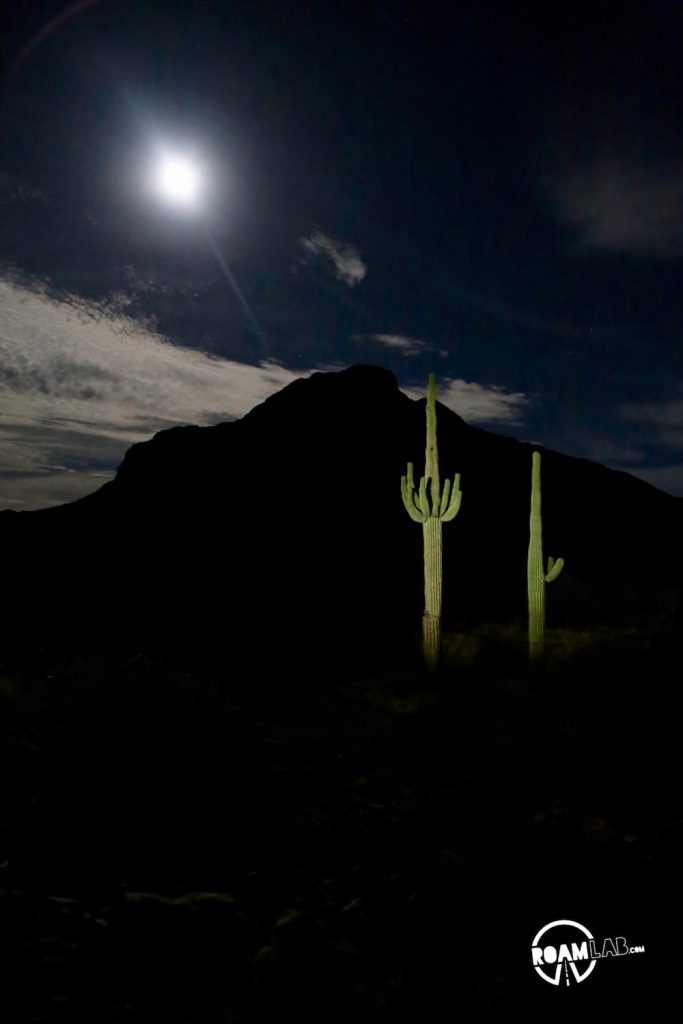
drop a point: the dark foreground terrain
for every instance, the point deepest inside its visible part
(201, 841)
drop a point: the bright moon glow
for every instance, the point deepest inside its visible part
(179, 180)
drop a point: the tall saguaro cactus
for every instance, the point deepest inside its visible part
(431, 510)
(536, 577)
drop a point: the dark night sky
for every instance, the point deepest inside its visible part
(490, 190)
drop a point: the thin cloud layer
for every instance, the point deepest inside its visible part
(477, 403)
(662, 421)
(78, 388)
(15, 192)
(622, 206)
(617, 454)
(640, 429)
(408, 346)
(345, 258)
(666, 478)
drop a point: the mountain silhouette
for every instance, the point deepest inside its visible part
(286, 529)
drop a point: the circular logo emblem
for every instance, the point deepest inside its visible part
(561, 950)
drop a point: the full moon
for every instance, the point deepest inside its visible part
(179, 180)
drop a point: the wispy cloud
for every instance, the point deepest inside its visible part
(345, 258)
(642, 432)
(78, 387)
(15, 192)
(616, 454)
(661, 421)
(666, 478)
(622, 206)
(408, 346)
(479, 403)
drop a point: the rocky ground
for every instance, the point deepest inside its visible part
(184, 841)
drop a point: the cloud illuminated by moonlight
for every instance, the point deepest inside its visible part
(78, 389)
(345, 258)
(478, 403)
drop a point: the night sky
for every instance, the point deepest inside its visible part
(492, 191)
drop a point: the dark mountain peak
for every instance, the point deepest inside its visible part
(364, 384)
(361, 399)
(364, 375)
(361, 390)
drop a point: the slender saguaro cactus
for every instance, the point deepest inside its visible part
(441, 509)
(536, 577)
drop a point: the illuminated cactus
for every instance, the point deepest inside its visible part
(536, 577)
(431, 513)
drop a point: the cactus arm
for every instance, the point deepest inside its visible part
(415, 515)
(413, 512)
(455, 499)
(554, 569)
(408, 495)
(422, 499)
(444, 498)
(411, 482)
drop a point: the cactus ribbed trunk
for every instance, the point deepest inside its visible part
(431, 620)
(536, 584)
(536, 576)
